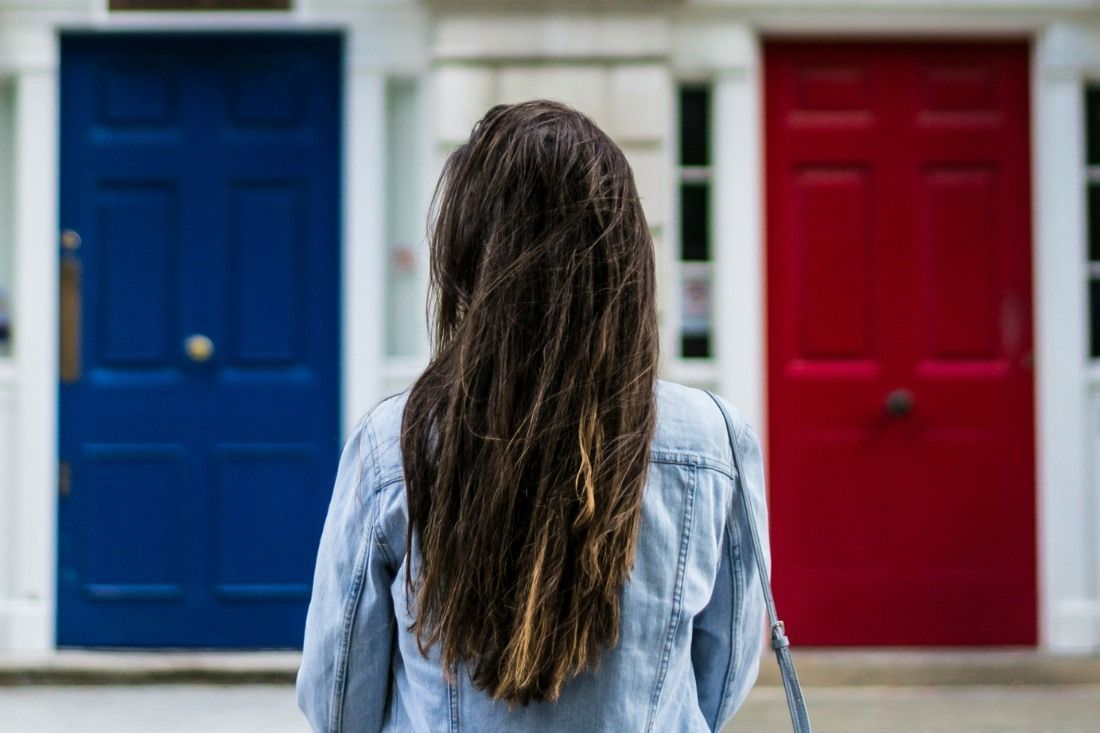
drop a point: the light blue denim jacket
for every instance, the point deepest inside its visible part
(692, 615)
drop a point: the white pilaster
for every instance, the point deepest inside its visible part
(27, 611)
(739, 242)
(364, 237)
(1067, 501)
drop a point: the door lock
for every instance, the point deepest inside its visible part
(199, 348)
(899, 402)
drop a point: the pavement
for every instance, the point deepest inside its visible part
(965, 709)
(847, 692)
(151, 708)
(272, 709)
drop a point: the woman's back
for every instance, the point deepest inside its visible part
(691, 619)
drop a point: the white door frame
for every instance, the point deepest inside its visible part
(378, 42)
(1067, 499)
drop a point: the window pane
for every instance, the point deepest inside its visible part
(695, 221)
(7, 245)
(695, 309)
(1094, 310)
(405, 330)
(694, 126)
(1094, 221)
(695, 346)
(1092, 121)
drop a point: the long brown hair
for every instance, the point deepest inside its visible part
(526, 440)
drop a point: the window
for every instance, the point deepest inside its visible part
(406, 269)
(694, 255)
(7, 244)
(1092, 130)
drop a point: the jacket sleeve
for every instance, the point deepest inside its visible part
(728, 634)
(343, 682)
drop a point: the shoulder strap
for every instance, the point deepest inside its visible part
(800, 719)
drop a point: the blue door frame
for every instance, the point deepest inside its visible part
(199, 427)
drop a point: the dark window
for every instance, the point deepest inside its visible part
(1092, 120)
(1094, 313)
(694, 126)
(694, 221)
(696, 328)
(1094, 222)
(695, 346)
(199, 5)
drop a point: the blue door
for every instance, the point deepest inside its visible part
(199, 252)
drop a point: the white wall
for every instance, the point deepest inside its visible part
(613, 67)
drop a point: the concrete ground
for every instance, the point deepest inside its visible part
(848, 691)
(1003, 709)
(195, 708)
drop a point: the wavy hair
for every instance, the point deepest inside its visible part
(525, 442)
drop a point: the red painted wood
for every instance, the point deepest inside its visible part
(898, 257)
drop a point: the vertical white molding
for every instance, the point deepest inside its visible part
(364, 245)
(1065, 521)
(8, 495)
(33, 520)
(739, 292)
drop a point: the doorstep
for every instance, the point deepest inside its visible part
(816, 667)
(819, 667)
(87, 667)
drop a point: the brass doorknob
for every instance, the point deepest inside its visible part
(899, 402)
(198, 348)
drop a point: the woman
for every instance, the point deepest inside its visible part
(539, 535)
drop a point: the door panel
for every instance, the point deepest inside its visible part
(201, 435)
(899, 339)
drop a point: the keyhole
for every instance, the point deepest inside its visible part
(899, 402)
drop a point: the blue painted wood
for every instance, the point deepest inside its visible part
(202, 173)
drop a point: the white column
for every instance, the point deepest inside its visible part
(27, 613)
(8, 467)
(739, 291)
(364, 246)
(1069, 613)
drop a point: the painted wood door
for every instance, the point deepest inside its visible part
(200, 262)
(900, 386)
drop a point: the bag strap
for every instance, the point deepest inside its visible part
(800, 719)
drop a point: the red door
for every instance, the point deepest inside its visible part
(899, 342)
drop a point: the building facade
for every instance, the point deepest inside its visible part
(873, 225)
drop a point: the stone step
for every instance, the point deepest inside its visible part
(816, 667)
(85, 667)
(919, 667)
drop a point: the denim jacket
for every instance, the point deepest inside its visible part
(691, 627)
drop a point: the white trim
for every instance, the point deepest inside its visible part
(555, 33)
(740, 281)
(8, 499)
(27, 610)
(363, 333)
(695, 174)
(1067, 521)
